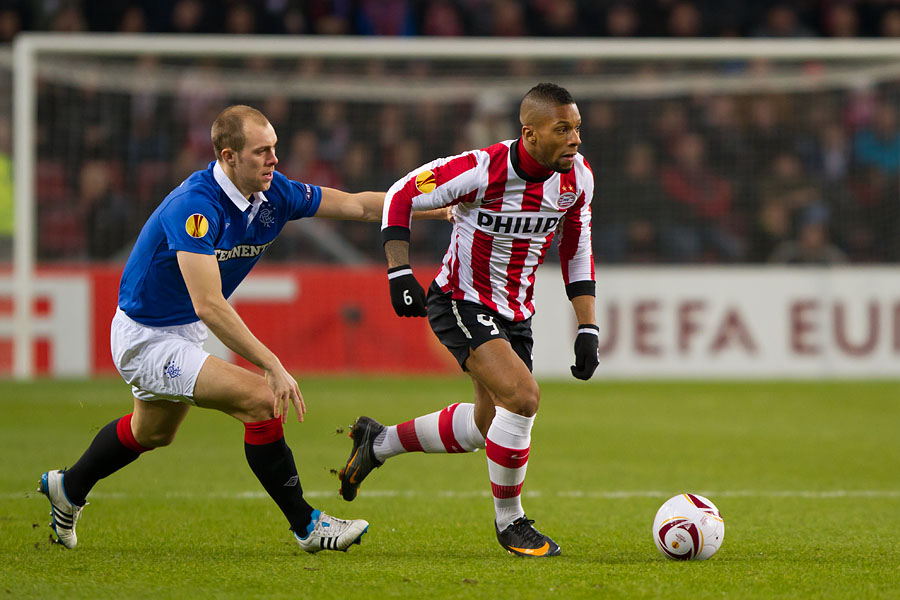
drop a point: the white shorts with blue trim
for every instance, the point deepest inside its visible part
(160, 363)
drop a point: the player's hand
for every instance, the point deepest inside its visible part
(587, 356)
(407, 296)
(286, 391)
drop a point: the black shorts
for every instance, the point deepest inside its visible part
(461, 325)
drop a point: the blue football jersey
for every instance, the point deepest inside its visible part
(206, 214)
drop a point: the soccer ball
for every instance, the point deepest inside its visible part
(688, 527)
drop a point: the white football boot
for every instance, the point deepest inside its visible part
(329, 533)
(64, 514)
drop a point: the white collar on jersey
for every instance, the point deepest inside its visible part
(236, 197)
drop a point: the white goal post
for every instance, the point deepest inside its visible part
(883, 58)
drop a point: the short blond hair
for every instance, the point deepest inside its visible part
(228, 128)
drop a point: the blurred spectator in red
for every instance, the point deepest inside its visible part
(442, 19)
(628, 210)
(385, 17)
(330, 17)
(698, 206)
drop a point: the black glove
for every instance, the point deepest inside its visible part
(407, 295)
(587, 356)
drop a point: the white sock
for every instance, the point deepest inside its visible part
(508, 445)
(450, 430)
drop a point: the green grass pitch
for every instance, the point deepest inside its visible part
(807, 476)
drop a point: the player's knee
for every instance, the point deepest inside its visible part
(154, 439)
(523, 397)
(260, 404)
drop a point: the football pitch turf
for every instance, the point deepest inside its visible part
(806, 475)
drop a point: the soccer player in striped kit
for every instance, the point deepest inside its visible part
(509, 200)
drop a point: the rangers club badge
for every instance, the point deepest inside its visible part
(196, 225)
(425, 182)
(266, 217)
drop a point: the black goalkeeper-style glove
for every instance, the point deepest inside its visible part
(407, 296)
(587, 356)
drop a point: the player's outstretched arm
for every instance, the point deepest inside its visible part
(362, 206)
(204, 284)
(366, 206)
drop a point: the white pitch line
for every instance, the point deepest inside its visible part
(459, 494)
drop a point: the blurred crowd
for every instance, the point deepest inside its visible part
(792, 178)
(615, 18)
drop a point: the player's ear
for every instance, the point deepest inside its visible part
(528, 134)
(229, 156)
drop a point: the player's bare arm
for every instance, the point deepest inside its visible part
(366, 206)
(201, 275)
(584, 309)
(361, 206)
(397, 253)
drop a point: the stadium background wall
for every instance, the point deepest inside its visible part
(691, 322)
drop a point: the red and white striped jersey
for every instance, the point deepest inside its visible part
(504, 221)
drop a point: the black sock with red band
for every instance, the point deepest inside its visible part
(272, 462)
(113, 447)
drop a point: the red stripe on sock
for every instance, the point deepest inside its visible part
(408, 438)
(263, 432)
(445, 429)
(506, 491)
(510, 458)
(123, 430)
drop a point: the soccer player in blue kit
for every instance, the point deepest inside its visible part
(194, 250)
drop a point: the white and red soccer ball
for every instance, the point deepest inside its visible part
(688, 527)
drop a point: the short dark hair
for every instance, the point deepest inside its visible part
(228, 128)
(550, 93)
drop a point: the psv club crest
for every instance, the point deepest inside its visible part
(567, 196)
